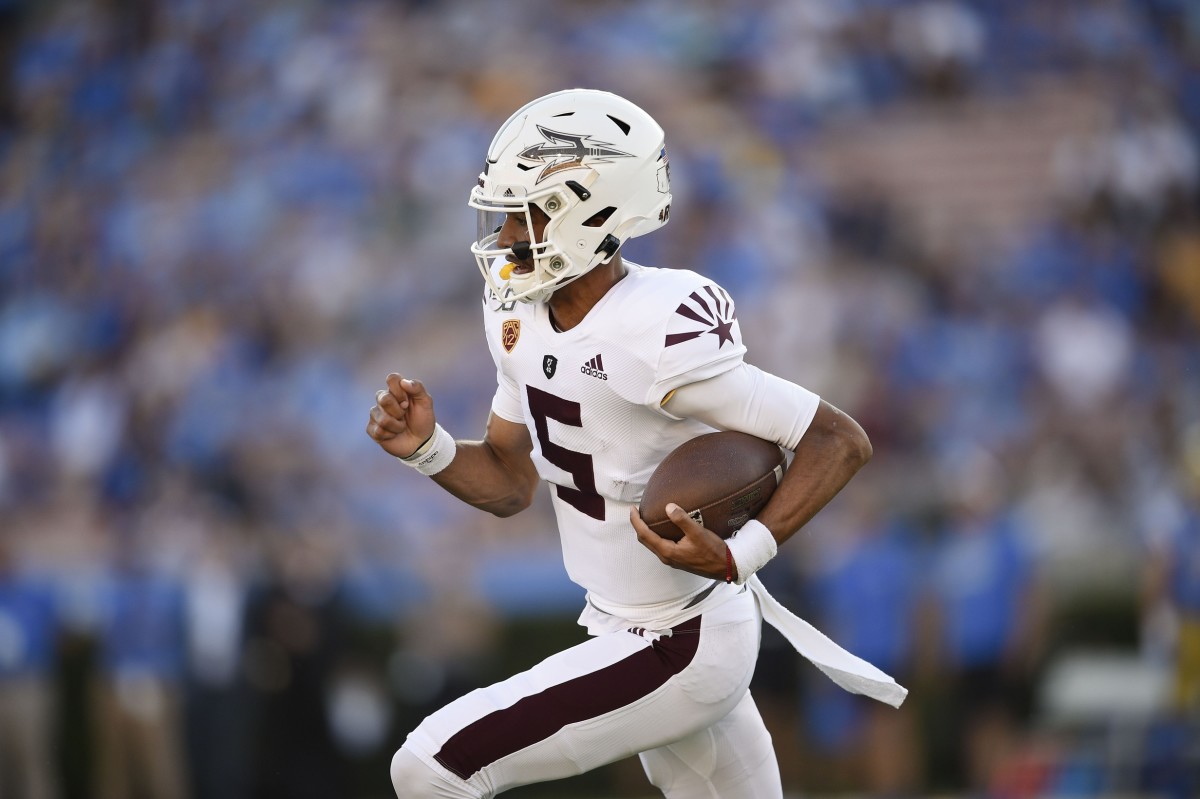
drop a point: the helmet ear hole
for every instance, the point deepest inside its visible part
(600, 217)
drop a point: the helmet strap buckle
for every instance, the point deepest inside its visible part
(609, 246)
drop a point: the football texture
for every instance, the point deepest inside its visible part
(721, 479)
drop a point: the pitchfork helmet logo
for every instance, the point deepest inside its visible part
(563, 151)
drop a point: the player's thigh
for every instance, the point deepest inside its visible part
(733, 759)
(603, 700)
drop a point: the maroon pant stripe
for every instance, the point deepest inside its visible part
(537, 717)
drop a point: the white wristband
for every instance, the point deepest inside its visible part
(751, 548)
(434, 455)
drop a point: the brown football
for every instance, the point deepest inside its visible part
(722, 479)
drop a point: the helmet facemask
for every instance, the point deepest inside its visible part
(553, 265)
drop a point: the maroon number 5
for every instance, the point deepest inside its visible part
(583, 497)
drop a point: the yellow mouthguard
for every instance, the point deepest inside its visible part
(506, 270)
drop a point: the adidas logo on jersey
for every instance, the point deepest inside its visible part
(595, 368)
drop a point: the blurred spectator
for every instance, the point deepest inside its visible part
(940, 42)
(28, 641)
(219, 703)
(1171, 598)
(1178, 269)
(986, 609)
(865, 594)
(1085, 351)
(1142, 168)
(296, 626)
(12, 18)
(142, 651)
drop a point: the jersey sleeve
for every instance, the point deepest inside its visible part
(506, 402)
(701, 339)
(748, 399)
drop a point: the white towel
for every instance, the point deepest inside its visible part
(850, 672)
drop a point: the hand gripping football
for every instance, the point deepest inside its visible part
(721, 479)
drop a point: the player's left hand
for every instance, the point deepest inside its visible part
(700, 551)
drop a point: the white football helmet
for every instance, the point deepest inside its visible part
(577, 155)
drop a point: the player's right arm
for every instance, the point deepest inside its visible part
(495, 474)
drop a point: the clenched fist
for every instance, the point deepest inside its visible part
(402, 417)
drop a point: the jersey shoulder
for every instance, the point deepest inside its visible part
(684, 323)
(652, 299)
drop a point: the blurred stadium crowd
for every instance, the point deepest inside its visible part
(972, 224)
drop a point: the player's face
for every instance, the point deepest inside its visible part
(515, 230)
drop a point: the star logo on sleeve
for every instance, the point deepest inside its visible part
(715, 312)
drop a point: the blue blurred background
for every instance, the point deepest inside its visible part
(972, 224)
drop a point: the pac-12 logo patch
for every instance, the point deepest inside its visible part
(549, 364)
(510, 331)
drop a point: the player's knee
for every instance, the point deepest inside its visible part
(658, 770)
(413, 779)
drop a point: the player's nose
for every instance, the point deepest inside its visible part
(508, 234)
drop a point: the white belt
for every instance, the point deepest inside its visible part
(850, 672)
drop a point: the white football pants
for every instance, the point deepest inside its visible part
(680, 699)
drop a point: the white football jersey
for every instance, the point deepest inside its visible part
(591, 397)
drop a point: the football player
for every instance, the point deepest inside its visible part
(604, 366)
